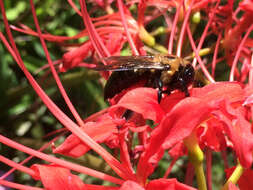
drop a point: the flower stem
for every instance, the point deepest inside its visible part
(160, 48)
(201, 180)
(146, 37)
(159, 31)
(196, 157)
(235, 176)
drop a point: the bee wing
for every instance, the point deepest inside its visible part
(124, 63)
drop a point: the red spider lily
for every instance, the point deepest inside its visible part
(102, 130)
(162, 184)
(54, 177)
(214, 117)
(110, 30)
(113, 41)
(211, 103)
(245, 180)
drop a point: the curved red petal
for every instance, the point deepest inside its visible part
(170, 101)
(238, 130)
(183, 119)
(246, 5)
(100, 131)
(245, 182)
(131, 185)
(54, 177)
(167, 184)
(178, 150)
(175, 126)
(211, 134)
(74, 57)
(142, 101)
(231, 91)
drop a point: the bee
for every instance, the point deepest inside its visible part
(156, 71)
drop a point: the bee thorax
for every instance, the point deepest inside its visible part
(166, 77)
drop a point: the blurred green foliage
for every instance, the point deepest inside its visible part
(24, 117)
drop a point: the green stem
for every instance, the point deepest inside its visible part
(196, 157)
(159, 31)
(235, 176)
(201, 180)
(146, 37)
(202, 52)
(160, 48)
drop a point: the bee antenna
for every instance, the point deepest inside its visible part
(188, 58)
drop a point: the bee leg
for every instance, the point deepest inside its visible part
(184, 87)
(159, 85)
(168, 92)
(186, 92)
(159, 95)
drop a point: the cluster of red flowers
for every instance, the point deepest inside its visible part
(213, 118)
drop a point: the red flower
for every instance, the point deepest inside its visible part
(161, 184)
(167, 184)
(142, 101)
(245, 182)
(216, 107)
(217, 102)
(103, 130)
(215, 117)
(74, 57)
(247, 5)
(54, 177)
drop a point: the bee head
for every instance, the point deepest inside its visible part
(188, 73)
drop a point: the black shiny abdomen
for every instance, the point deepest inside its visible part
(120, 80)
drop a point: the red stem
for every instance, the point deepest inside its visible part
(215, 55)
(68, 123)
(60, 162)
(94, 37)
(189, 174)
(204, 69)
(18, 186)
(183, 29)
(173, 29)
(55, 75)
(167, 173)
(237, 55)
(17, 166)
(129, 37)
(209, 168)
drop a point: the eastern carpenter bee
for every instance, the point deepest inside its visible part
(157, 71)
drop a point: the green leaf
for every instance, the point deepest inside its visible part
(13, 13)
